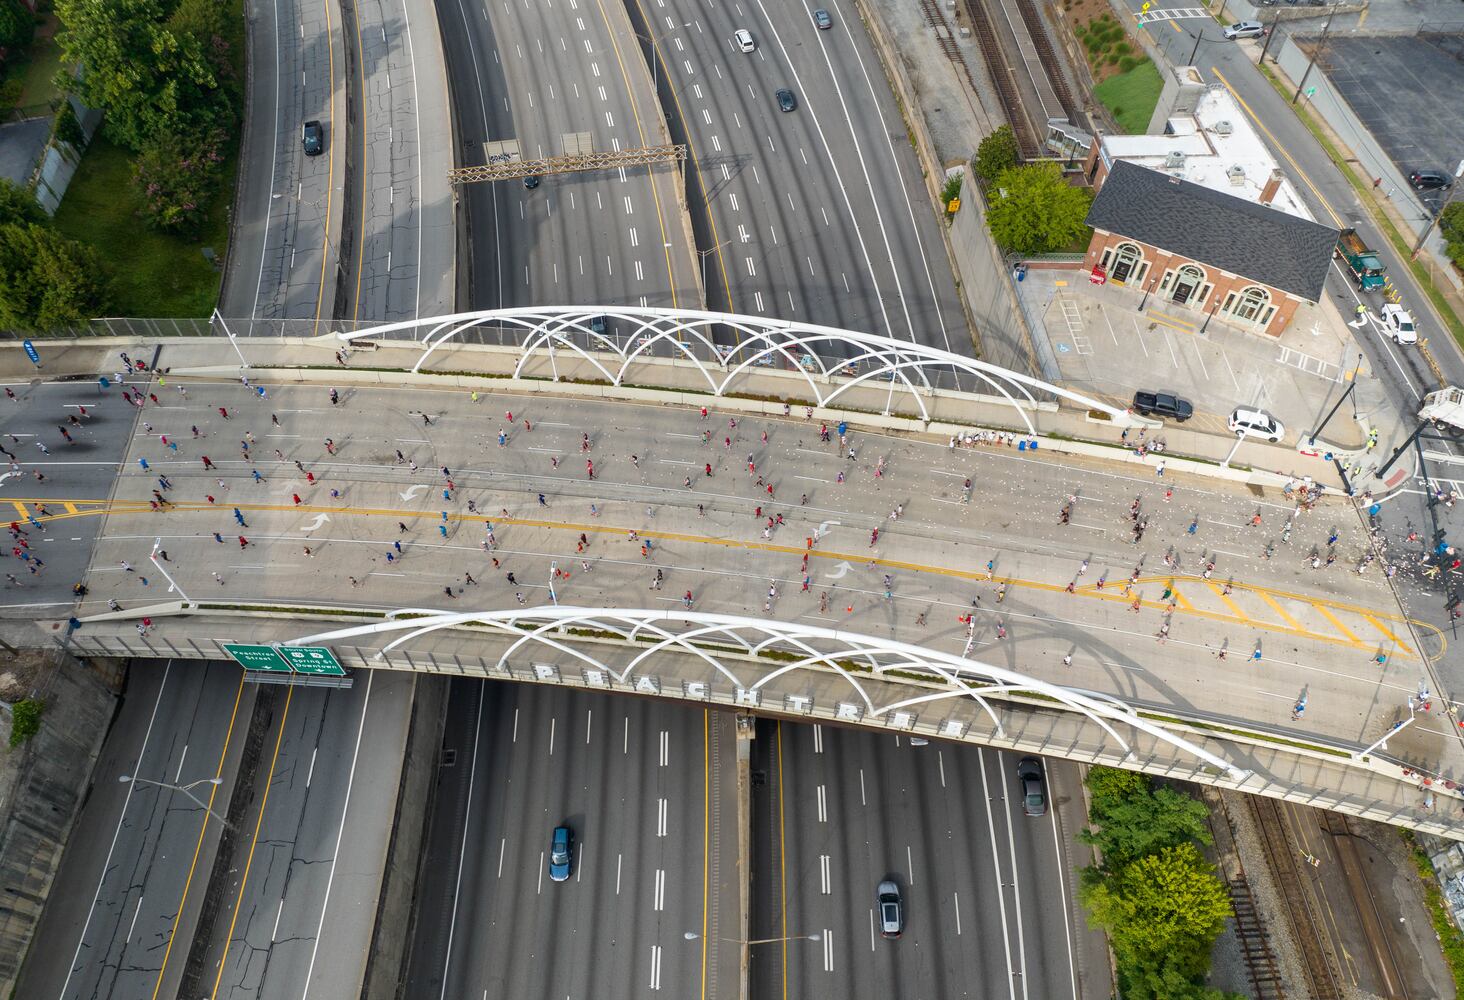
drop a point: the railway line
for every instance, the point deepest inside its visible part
(1025, 68)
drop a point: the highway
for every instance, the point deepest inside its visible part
(538, 74)
(296, 915)
(820, 214)
(128, 893)
(649, 791)
(989, 904)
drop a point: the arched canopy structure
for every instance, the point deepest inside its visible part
(703, 638)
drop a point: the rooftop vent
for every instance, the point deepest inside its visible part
(1223, 128)
(1236, 175)
(1173, 160)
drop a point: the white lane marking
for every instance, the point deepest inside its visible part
(589, 724)
(618, 859)
(665, 747)
(910, 864)
(340, 835)
(996, 868)
(823, 805)
(463, 847)
(540, 890)
(1016, 885)
(515, 725)
(502, 848)
(311, 773)
(817, 738)
(625, 738)
(862, 800)
(658, 893)
(552, 723)
(184, 756)
(655, 967)
(579, 868)
(871, 930)
(661, 817)
(275, 933)
(956, 897)
(133, 926)
(1062, 885)
(828, 950)
(824, 874)
(940, 759)
(107, 865)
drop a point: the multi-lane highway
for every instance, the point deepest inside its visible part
(987, 891)
(650, 903)
(818, 214)
(557, 79)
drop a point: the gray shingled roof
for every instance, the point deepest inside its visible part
(1259, 242)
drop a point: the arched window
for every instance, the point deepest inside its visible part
(1186, 286)
(1251, 304)
(1124, 263)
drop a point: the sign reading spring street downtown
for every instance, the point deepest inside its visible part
(314, 660)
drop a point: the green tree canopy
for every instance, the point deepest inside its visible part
(151, 79)
(1034, 210)
(17, 25)
(46, 280)
(1167, 982)
(997, 152)
(1162, 910)
(18, 205)
(1133, 818)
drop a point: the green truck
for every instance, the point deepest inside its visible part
(1367, 270)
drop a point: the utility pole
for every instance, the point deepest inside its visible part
(1315, 52)
(1453, 193)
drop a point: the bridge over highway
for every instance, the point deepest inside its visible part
(483, 518)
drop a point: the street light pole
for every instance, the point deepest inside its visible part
(173, 584)
(132, 779)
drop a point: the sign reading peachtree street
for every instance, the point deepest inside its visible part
(316, 660)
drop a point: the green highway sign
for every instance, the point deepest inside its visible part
(311, 660)
(256, 657)
(315, 660)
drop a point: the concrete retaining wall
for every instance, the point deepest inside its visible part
(55, 771)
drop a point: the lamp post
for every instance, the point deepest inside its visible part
(172, 584)
(655, 54)
(693, 935)
(703, 254)
(132, 779)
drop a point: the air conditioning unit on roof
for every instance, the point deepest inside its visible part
(1223, 128)
(1173, 160)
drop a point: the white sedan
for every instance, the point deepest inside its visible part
(1398, 324)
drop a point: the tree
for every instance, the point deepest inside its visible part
(997, 152)
(177, 177)
(151, 80)
(46, 280)
(66, 128)
(1167, 982)
(1133, 818)
(25, 720)
(18, 205)
(17, 25)
(1161, 910)
(1034, 210)
(1451, 226)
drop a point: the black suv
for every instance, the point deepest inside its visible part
(1159, 404)
(1429, 180)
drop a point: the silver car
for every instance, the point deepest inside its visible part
(891, 909)
(1245, 29)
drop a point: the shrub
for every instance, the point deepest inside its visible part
(25, 720)
(176, 179)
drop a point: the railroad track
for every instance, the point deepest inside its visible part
(936, 20)
(1001, 78)
(1051, 67)
(1281, 855)
(1255, 946)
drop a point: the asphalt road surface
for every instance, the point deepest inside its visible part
(988, 898)
(647, 789)
(537, 74)
(820, 214)
(297, 915)
(122, 910)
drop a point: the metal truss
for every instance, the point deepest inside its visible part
(608, 160)
(703, 638)
(619, 342)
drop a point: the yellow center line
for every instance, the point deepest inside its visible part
(1181, 603)
(1225, 598)
(254, 841)
(198, 845)
(1280, 611)
(1337, 623)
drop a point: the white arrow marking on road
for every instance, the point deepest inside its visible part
(411, 492)
(823, 529)
(319, 520)
(840, 571)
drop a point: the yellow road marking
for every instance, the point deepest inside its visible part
(1383, 629)
(1225, 598)
(198, 846)
(1280, 610)
(254, 841)
(825, 554)
(1337, 623)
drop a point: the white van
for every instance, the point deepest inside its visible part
(743, 38)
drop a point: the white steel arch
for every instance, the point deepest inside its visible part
(830, 360)
(698, 634)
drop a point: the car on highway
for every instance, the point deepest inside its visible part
(312, 137)
(1398, 324)
(786, 100)
(531, 181)
(744, 41)
(1429, 180)
(1256, 423)
(891, 909)
(822, 19)
(1162, 404)
(1245, 29)
(561, 854)
(1034, 786)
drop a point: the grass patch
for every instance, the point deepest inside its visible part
(1132, 96)
(1450, 938)
(153, 274)
(38, 72)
